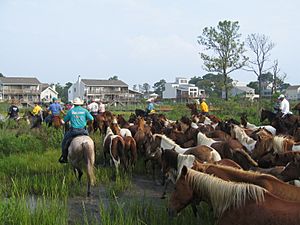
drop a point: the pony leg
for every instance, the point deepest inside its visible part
(165, 187)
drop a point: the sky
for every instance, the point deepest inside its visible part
(140, 41)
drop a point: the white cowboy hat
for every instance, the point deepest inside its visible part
(150, 100)
(281, 96)
(77, 101)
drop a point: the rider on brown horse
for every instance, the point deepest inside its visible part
(78, 117)
(55, 109)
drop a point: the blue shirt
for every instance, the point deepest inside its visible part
(78, 117)
(150, 106)
(55, 108)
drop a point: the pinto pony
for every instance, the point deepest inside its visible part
(82, 151)
(233, 203)
(113, 145)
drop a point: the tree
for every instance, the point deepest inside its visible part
(194, 80)
(134, 87)
(113, 78)
(146, 87)
(261, 46)
(159, 87)
(1, 75)
(228, 50)
(254, 85)
(212, 84)
(63, 91)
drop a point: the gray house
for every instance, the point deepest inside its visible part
(24, 89)
(293, 92)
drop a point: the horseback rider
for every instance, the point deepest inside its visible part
(78, 117)
(37, 113)
(150, 106)
(13, 111)
(284, 107)
(55, 109)
(93, 108)
(101, 107)
(203, 106)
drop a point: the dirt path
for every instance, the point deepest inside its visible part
(142, 188)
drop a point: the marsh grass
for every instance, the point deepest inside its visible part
(32, 211)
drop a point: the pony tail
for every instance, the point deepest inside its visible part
(89, 163)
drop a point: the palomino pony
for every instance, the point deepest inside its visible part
(82, 151)
(270, 183)
(233, 203)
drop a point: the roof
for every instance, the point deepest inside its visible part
(293, 87)
(94, 82)
(244, 88)
(134, 92)
(19, 80)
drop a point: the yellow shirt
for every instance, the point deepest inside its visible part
(203, 107)
(36, 110)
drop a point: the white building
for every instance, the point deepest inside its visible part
(48, 92)
(100, 89)
(181, 89)
(293, 92)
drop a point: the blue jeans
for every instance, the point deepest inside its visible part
(69, 135)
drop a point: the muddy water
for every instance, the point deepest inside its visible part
(142, 188)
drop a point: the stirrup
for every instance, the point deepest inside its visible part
(63, 160)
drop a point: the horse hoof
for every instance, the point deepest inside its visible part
(163, 196)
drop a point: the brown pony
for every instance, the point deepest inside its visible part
(57, 122)
(291, 171)
(100, 120)
(270, 183)
(233, 203)
(122, 122)
(142, 135)
(278, 159)
(193, 108)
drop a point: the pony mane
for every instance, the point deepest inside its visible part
(279, 143)
(166, 139)
(243, 138)
(223, 194)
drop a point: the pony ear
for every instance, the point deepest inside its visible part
(184, 171)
